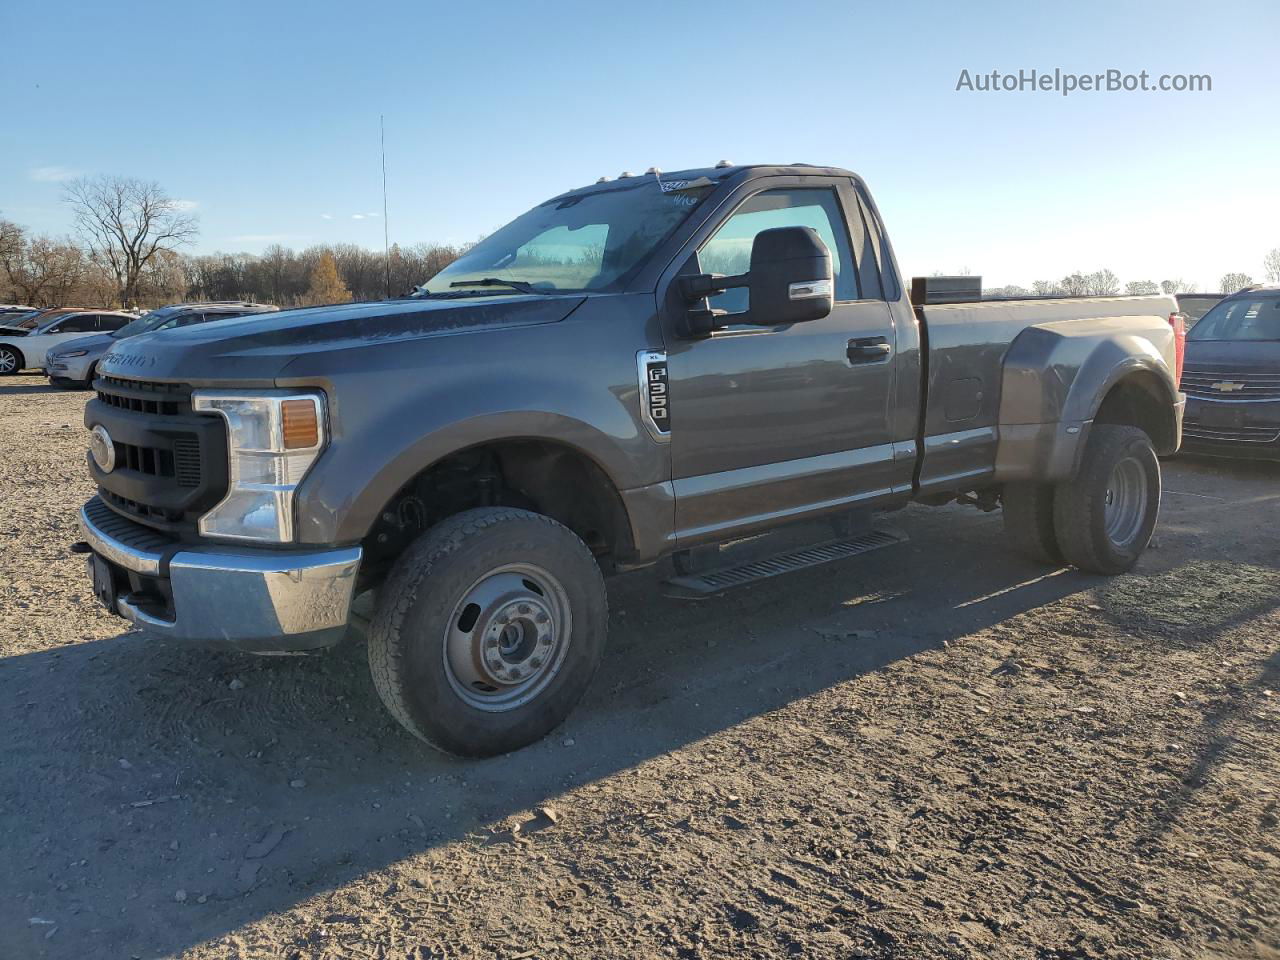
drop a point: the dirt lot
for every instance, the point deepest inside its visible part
(932, 751)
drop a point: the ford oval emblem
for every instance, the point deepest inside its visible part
(102, 449)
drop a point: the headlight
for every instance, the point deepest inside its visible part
(272, 441)
(69, 353)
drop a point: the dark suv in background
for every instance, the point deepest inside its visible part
(73, 364)
(1232, 377)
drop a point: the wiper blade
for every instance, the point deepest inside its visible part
(521, 285)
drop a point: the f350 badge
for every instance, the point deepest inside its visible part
(655, 393)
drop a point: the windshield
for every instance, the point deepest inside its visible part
(141, 325)
(29, 320)
(588, 241)
(1251, 317)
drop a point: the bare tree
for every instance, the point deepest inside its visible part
(39, 270)
(125, 223)
(1271, 264)
(1075, 285)
(1103, 283)
(1046, 288)
(10, 238)
(1177, 286)
(1231, 282)
(1140, 288)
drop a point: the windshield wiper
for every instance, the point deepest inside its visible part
(521, 285)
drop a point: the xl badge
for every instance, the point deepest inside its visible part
(655, 398)
(102, 449)
(1227, 386)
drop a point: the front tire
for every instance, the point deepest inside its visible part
(488, 631)
(1104, 518)
(11, 362)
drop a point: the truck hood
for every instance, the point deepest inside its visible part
(254, 349)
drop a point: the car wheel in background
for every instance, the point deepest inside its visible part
(1104, 517)
(10, 361)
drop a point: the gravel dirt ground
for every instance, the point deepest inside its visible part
(936, 750)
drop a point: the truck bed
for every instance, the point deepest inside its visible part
(986, 365)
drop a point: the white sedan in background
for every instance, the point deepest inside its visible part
(21, 353)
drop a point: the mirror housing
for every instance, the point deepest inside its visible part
(790, 281)
(791, 278)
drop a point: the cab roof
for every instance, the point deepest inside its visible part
(717, 174)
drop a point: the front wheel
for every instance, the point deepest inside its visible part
(10, 361)
(1104, 517)
(488, 631)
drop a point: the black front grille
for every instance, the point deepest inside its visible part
(149, 460)
(143, 396)
(1220, 385)
(171, 463)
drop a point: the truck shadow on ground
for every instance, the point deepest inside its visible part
(188, 793)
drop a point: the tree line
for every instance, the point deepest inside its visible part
(126, 252)
(1104, 283)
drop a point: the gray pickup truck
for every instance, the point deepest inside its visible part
(634, 371)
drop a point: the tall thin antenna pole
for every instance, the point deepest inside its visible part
(386, 230)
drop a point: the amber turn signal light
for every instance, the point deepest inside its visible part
(301, 424)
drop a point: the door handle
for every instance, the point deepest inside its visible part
(868, 350)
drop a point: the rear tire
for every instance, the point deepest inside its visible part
(488, 631)
(1028, 521)
(1104, 518)
(11, 362)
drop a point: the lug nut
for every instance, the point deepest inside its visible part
(524, 608)
(541, 617)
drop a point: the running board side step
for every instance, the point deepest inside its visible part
(726, 578)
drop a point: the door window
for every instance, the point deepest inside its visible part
(77, 323)
(111, 322)
(729, 250)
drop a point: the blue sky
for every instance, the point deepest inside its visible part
(265, 118)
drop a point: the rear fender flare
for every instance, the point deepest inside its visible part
(1052, 387)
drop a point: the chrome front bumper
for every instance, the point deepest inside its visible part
(261, 601)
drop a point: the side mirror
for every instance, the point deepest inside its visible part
(790, 281)
(791, 278)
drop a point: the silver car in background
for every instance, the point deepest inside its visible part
(73, 364)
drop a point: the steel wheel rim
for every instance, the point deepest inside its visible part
(507, 637)
(7, 361)
(1125, 502)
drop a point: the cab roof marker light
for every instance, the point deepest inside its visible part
(722, 164)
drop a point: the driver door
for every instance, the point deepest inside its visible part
(772, 423)
(70, 327)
